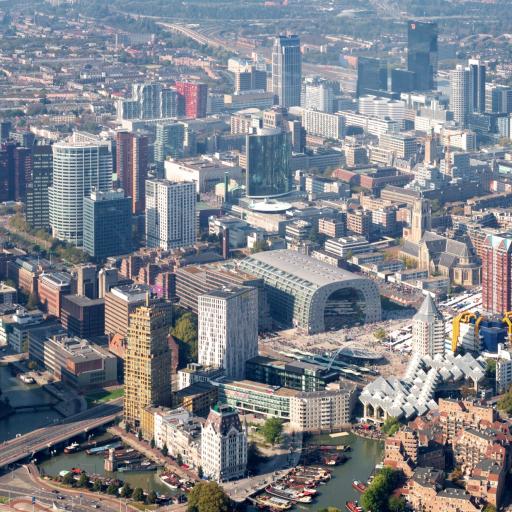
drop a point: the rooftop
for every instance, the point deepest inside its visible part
(308, 269)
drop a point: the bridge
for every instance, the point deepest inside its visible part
(29, 444)
(34, 407)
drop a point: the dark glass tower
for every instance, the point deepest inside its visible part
(107, 224)
(422, 53)
(372, 76)
(287, 70)
(268, 155)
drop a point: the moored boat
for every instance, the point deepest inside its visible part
(353, 506)
(359, 486)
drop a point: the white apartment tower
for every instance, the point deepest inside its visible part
(170, 214)
(228, 329)
(224, 445)
(81, 163)
(461, 94)
(428, 330)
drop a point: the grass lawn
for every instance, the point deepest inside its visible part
(103, 395)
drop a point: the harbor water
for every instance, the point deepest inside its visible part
(93, 464)
(364, 455)
(21, 394)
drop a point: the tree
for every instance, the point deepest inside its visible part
(490, 371)
(126, 490)
(489, 508)
(185, 331)
(272, 430)
(138, 494)
(179, 460)
(83, 481)
(329, 509)
(139, 435)
(32, 301)
(152, 443)
(396, 504)
(152, 497)
(505, 402)
(165, 450)
(260, 246)
(97, 485)
(200, 472)
(208, 497)
(391, 426)
(380, 334)
(378, 492)
(69, 479)
(113, 489)
(32, 365)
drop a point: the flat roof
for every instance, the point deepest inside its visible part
(251, 385)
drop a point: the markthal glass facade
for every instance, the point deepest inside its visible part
(268, 163)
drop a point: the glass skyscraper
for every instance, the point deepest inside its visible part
(372, 76)
(287, 70)
(422, 53)
(107, 224)
(268, 155)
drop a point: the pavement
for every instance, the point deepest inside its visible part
(153, 453)
(29, 444)
(277, 466)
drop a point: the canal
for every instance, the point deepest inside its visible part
(364, 455)
(93, 464)
(20, 394)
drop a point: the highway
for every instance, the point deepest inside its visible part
(24, 446)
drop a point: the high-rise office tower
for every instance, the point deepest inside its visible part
(287, 70)
(478, 73)
(107, 224)
(498, 99)
(428, 330)
(170, 139)
(148, 101)
(319, 95)
(461, 94)
(497, 274)
(224, 445)
(192, 98)
(37, 202)
(228, 329)
(372, 76)
(402, 80)
(80, 163)
(87, 281)
(132, 167)
(422, 55)
(170, 214)
(250, 78)
(5, 130)
(147, 372)
(268, 154)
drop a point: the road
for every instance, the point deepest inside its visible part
(25, 482)
(29, 444)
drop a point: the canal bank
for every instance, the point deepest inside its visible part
(24, 395)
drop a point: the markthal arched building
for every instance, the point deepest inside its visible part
(307, 293)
